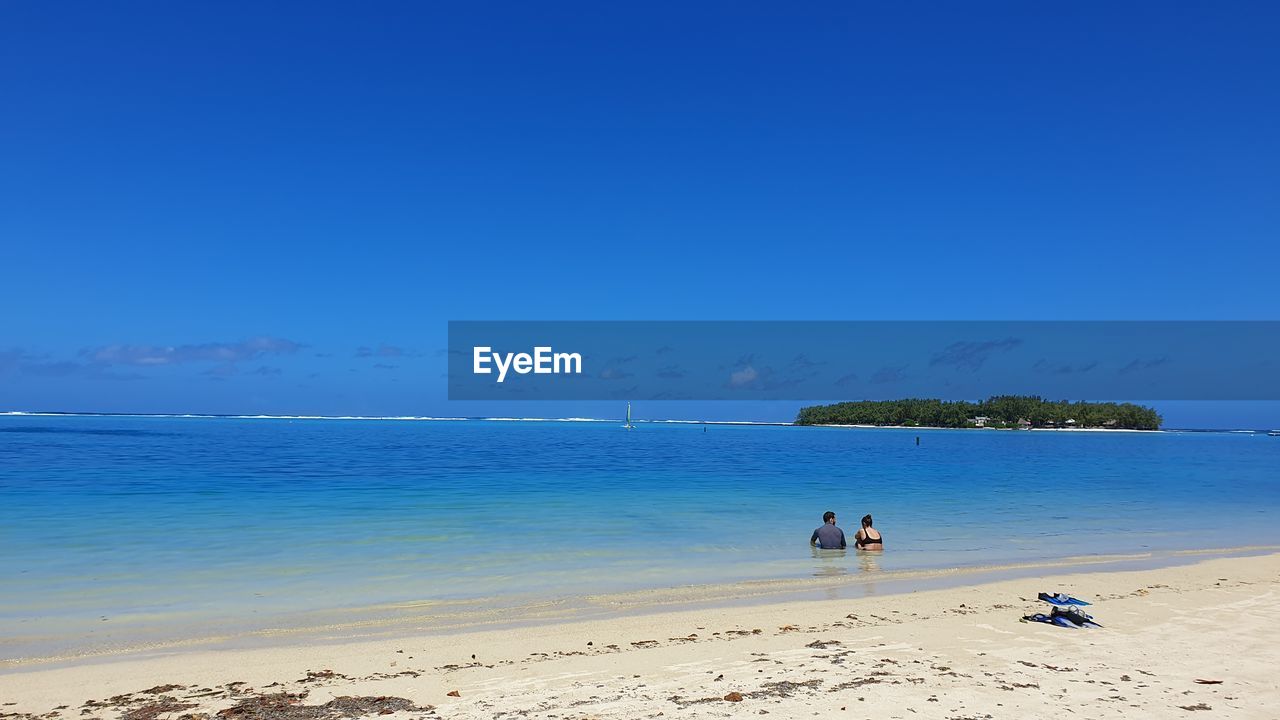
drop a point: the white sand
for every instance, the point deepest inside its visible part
(954, 653)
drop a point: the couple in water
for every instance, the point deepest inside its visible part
(831, 537)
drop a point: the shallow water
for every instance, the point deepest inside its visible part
(202, 521)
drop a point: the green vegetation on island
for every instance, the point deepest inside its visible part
(1001, 411)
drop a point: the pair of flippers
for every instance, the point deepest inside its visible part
(1061, 599)
(1072, 617)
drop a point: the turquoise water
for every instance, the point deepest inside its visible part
(202, 518)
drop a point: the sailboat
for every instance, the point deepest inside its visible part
(628, 425)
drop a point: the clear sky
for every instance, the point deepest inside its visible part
(276, 207)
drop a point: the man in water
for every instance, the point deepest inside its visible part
(828, 537)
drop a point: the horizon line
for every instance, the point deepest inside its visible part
(498, 418)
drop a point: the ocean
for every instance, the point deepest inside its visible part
(118, 530)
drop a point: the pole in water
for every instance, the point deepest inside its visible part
(917, 439)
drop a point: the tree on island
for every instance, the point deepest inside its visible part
(997, 411)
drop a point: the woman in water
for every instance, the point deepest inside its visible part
(868, 538)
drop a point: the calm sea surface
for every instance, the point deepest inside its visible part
(140, 519)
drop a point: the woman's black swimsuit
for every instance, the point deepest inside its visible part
(865, 541)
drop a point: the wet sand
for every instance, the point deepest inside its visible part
(1177, 640)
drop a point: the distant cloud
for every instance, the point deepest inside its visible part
(156, 355)
(801, 362)
(749, 374)
(1140, 364)
(970, 355)
(847, 379)
(225, 370)
(744, 377)
(889, 374)
(384, 366)
(71, 368)
(613, 372)
(382, 351)
(61, 368)
(670, 372)
(11, 359)
(265, 370)
(1065, 369)
(663, 350)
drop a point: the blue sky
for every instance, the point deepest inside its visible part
(214, 208)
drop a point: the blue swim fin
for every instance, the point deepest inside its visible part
(1075, 616)
(1061, 599)
(1051, 620)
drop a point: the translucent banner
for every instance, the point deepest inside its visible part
(863, 360)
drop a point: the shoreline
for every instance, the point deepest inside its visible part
(958, 651)
(996, 429)
(467, 615)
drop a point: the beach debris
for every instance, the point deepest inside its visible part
(719, 678)
(161, 689)
(788, 628)
(326, 674)
(644, 643)
(733, 697)
(785, 688)
(454, 693)
(1200, 681)
(823, 644)
(1197, 706)
(271, 706)
(1015, 685)
(151, 711)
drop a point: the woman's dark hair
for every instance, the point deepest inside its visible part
(866, 521)
(826, 516)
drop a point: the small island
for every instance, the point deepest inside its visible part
(1000, 411)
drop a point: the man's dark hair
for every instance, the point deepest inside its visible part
(828, 516)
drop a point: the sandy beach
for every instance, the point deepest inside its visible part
(1187, 639)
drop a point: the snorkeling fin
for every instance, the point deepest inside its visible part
(1050, 620)
(1075, 616)
(1061, 599)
